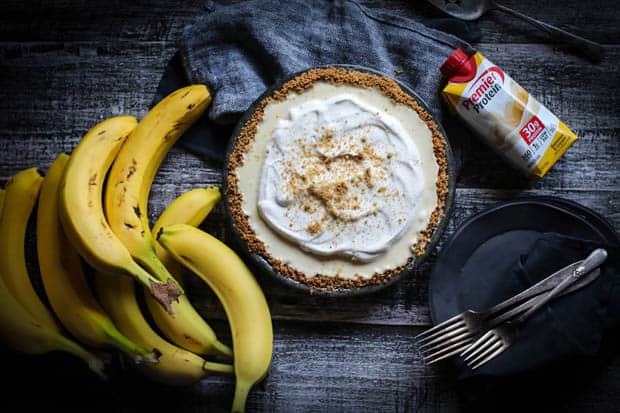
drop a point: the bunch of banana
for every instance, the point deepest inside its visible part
(63, 277)
(117, 242)
(239, 293)
(81, 207)
(21, 195)
(126, 201)
(117, 294)
(26, 325)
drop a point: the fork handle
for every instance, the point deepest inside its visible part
(535, 290)
(595, 259)
(592, 50)
(513, 312)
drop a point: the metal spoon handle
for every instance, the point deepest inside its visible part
(590, 49)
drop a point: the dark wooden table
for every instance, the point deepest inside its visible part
(65, 65)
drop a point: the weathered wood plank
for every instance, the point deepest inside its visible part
(316, 368)
(164, 19)
(64, 79)
(579, 17)
(405, 303)
(67, 92)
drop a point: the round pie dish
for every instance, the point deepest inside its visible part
(338, 181)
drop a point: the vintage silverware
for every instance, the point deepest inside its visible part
(473, 9)
(473, 323)
(500, 338)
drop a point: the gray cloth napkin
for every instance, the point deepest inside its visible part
(240, 50)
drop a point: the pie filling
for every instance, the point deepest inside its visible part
(339, 180)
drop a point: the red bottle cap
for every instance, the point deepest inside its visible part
(453, 64)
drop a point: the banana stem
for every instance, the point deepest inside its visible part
(222, 349)
(137, 353)
(154, 266)
(164, 293)
(93, 362)
(241, 394)
(218, 368)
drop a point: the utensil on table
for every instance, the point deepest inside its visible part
(473, 9)
(457, 333)
(500, 338)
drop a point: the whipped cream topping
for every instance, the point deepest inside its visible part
(341, 178)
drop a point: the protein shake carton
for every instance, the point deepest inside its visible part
(512, 121)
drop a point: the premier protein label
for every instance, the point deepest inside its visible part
(483, 89)
(506, 116)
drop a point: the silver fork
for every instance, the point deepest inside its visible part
(450, 348)
(455, 334)
(497, 340)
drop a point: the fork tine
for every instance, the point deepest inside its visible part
(445, 356)
(493, 347)
(447, 342)
(447, 351)
(462, 342)
(438, 340)
(437, 327)
(427, 352)
(491, 357)
(448, 328)
(476, 345)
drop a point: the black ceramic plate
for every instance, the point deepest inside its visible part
(261, 264)
(486, 245)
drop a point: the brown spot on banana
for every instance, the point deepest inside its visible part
(92, 181)
(102, 132)
(169, 135)
(165, 293)
(186, 258)
(190, 339)
(121, 198)
(132, 168)
(191, 106)
(136, 210)
(185, 94)
(130, 226)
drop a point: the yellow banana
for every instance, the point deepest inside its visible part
(190, 208)
(189, 331)
(241, 296)
(126, 202)
(63, 277)
(20, 331)
(2, 202)
(133, 171)
(81, 208)
(21, 195)
(20, 327)
(176, 366)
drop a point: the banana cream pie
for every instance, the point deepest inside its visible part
(338, 179)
